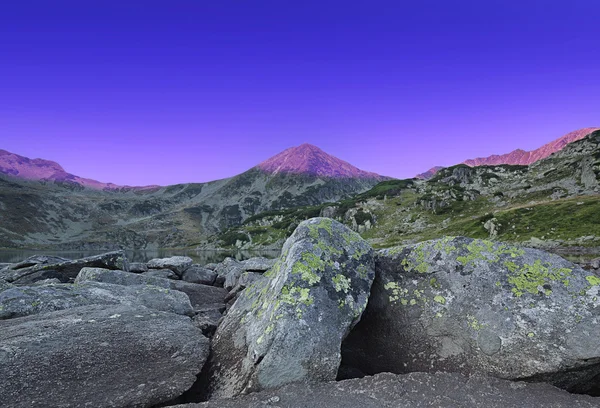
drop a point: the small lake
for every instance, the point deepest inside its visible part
(199, 257)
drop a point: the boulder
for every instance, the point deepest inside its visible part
(410, 390)
(212, 266)
(289, 327)
(208, 320)
(258, 264)
(177, 264)
(245, 280)
(64, 270)
(199, 294)
(228, 272)
(162, 273)
(26, 300)
(198, 274)
(595, 263)
(138, 267)
(476, 306)
(5, 285)
(98, 356)
(45, 282)
(38, 260)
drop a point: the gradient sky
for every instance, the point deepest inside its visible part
(162, 92)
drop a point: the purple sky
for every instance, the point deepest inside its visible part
(162, 92)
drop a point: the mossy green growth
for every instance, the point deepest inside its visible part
(307, 270)
(440, 299)
(341, 283)
(396, 292)
(484, 250)
(295, 295)
(593, 280)
(415, 261)
(531, 276)
(325, 224)
(474, 323)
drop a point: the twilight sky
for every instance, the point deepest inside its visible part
(162, 92)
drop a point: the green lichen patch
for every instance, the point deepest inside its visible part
(439, 299)
(341, 283)
(531, 277)
(309, 267)
(593, 280)
(474, 324)
(487, 251)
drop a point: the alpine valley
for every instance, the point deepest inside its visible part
(545, 198)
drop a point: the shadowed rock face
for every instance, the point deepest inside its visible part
(465, 305)
(520, 157)
(288, 326)
(411, 391)
(98, 356)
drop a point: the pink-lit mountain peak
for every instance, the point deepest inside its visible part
(309, 159)
(519, 156)
(46, 170)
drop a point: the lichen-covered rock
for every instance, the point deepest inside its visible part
(98, 356)
(414, 390)
(289, 327)
(465, 305)
(64, 270)
(199, 294)
(27, 300)
(177, 264)
(198, 274)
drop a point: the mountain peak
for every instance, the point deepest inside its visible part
(310, 159)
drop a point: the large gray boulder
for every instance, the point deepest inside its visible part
(199, 294)
(412, 390)
(177, 264)
(465, 305)
(26, 300)
(64, 270)
(198, 274)
(289, 327)
(228, 272)
(98, 356)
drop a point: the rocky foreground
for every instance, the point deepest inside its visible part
(452, 322)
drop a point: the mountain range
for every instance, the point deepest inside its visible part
(518, 156)
(43, 206)
(553, 202)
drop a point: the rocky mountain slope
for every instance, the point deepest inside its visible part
(520, 157)
(45, 170)
(554, 202)
(56, 211)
